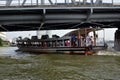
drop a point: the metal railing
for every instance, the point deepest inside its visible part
(22, 3)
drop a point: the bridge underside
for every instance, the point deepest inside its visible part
(52, 18)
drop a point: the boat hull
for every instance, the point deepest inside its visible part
(67, 50)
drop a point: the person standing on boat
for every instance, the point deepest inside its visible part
(73, 39)
(88, 42)
(92, 40)
(79, 40)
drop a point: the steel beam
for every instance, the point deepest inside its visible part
(19, 17)
(37, 2)
(24, 2)
(98, 2)
(89, 14)
(84, 2)
(3, 28)
(92, 2)
(50, 2)
(73, 1)
(48, 17)
(112, 2)
(8, 2)
(42, 2)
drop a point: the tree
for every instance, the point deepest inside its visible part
(1, 42)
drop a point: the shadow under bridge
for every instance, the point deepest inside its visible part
(52, 18)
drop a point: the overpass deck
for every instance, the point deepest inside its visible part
(24, 17)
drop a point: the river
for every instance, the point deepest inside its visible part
(105, 65)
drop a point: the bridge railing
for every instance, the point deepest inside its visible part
(22, 3)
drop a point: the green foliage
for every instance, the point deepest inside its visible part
(1, 42)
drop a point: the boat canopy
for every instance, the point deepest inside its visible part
(82, 31)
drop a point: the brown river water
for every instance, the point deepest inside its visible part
(104, 65)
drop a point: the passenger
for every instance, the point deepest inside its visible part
(79, 40)
(73, 39)
(92, 41)
(82, 41)
(89, 42)
(67, 43)
(61, 44)
(44, 44)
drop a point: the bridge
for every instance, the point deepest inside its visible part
(22, 15)
(25, 15)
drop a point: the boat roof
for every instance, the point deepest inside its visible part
(82, 31)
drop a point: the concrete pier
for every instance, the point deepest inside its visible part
(117, 40)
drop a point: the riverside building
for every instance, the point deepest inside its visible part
(3, 35)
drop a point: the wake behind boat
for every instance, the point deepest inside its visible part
(73, 42)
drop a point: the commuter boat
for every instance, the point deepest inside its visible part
(63, 44)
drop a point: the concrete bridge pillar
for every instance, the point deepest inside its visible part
(117, 40)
